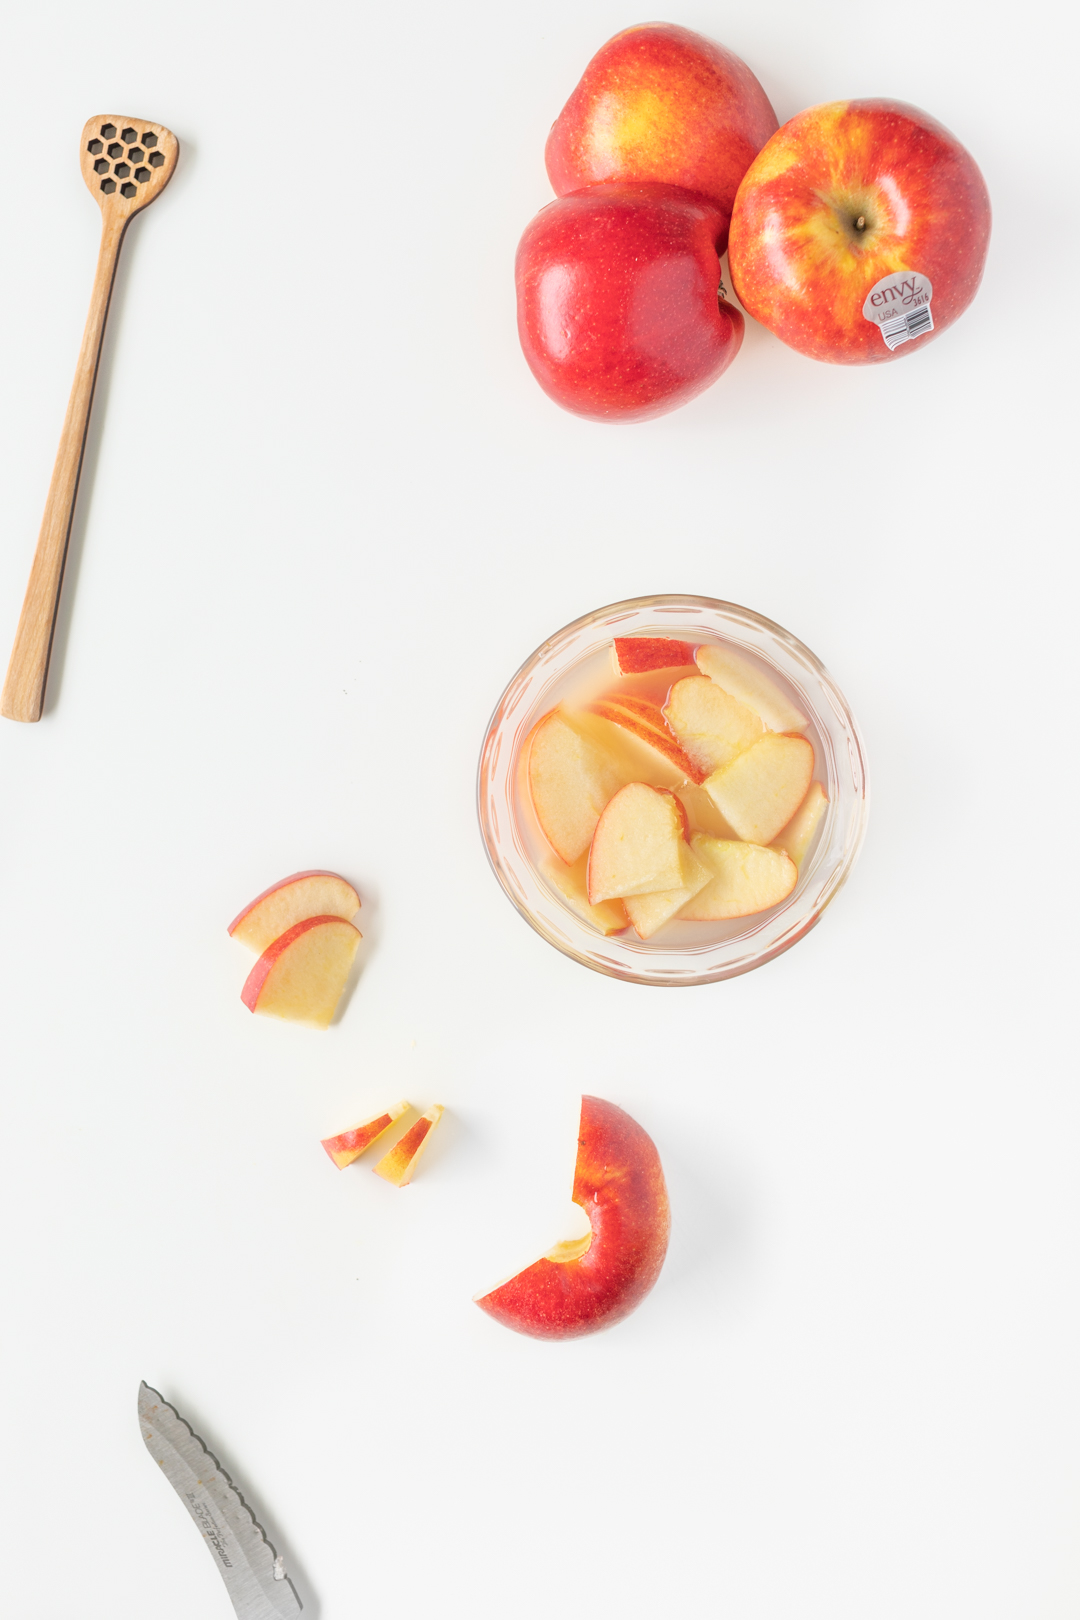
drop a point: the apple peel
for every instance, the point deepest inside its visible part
(585, 1284)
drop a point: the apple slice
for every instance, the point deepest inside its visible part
(636, 655)
(571, 779)
(572, 883)
(301, 975)
(798, 835)
(746, 879)
(761, 789)
(648, 912)
(745, 681)
(348, 1145)
(593, 1282)
(643, 720)
(701, 814)
(635, 849)
(711, 725)
(398, 1165)
(636, 759)
(305, 894)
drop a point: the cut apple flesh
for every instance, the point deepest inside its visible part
(649, 912)
(346, 1147)
(301, 975)
(711, 725)
(305, 894)
(571, 779)
(572, 883)
(589, 1283)
(746, 879)
(750, 685)
(635, 655)
(701, 813)
(398, 1165)
(635, 849)
(761, 789)
(798, 835)
(644, 721)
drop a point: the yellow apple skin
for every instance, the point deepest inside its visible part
(300, 976)
(802, 264)
(347, 1146)
(398, 1165)
(580, 1287)
(661, 103)
(304, 894)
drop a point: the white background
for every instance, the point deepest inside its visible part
(326, 514)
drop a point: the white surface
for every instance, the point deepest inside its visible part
(327, 512)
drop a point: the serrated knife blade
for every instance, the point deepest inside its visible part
(252, 1571)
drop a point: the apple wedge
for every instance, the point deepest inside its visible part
(398, 1165)
(761, 789)
(590, 1283)
(750, 685)
(636, 655)
(746, 879)
(648, 912)
(305, 894)
(635, 849)
(643, 720)
(636, 760)
(798, 835)
(347, 1146)
(301, 975)
(711, 725)
(571, 779)
(701, 813)
(573, 884)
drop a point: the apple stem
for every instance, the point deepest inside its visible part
(860, 223)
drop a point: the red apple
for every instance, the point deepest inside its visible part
(619, 310)
(859, 232)
(660, 103)
(596, 1281)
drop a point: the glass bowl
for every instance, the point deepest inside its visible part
(682, 952)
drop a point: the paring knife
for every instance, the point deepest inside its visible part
(252, 1571)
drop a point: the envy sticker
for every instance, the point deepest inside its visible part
(900, 305)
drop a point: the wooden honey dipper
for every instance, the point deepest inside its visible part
(127, 163)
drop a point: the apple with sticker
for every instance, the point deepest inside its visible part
(860, 232)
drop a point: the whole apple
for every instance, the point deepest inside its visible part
(663, 104)
(860, 232)
(620, 312)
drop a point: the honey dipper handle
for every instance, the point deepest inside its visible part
(24, 689)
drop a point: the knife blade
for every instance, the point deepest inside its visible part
(252, 1571)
